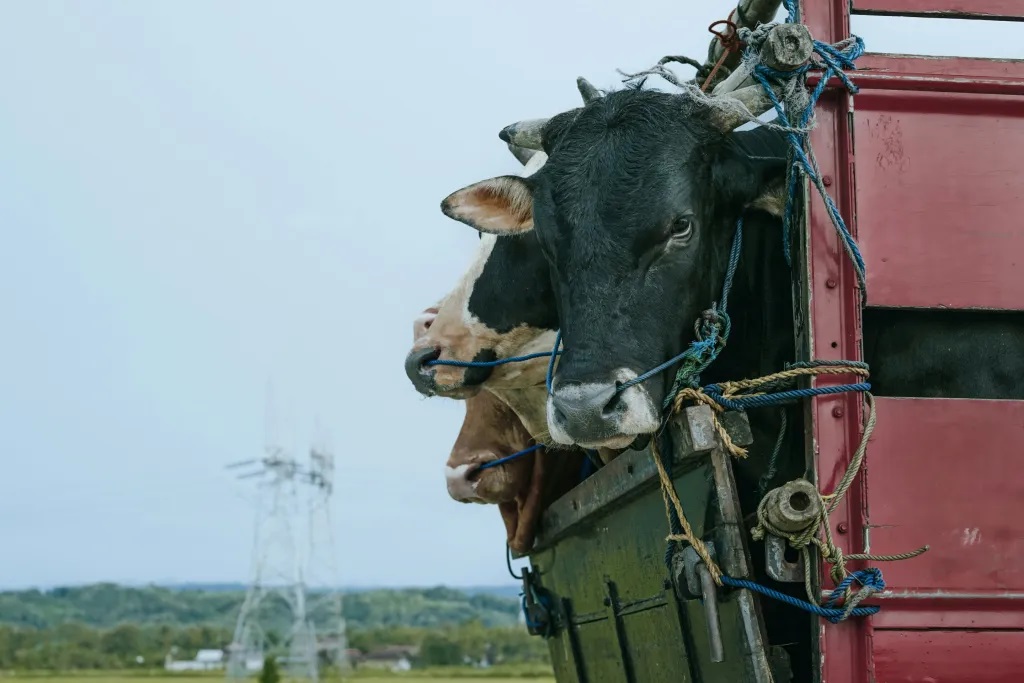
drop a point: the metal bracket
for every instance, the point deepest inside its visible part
(697, 577)
(539, 620)
(776, 564)
(790, 507)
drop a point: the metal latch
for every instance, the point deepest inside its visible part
(699, 584)
(536, 606)
(792, 507)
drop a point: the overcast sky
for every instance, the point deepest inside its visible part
(199, 197)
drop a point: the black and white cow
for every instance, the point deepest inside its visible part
(635, 212)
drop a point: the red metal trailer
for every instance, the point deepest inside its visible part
(927, 163)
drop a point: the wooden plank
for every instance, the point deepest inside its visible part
(1011, 10)
(914, 656)
(940, 192)
(945, 472)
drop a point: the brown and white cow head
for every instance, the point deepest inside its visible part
(523, 488)
(501, 307)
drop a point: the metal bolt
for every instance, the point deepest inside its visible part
(837, 412)
(843, 527)
(830, 283)
(827, 180)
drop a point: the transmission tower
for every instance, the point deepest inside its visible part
(278, 567)
(325, 603)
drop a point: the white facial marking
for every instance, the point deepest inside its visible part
(638, 414)
(459, 485)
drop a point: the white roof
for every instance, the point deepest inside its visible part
(209, 655)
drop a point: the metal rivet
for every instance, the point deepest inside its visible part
(843, 527)
(827, 180)
(830, 283)
(837, 412)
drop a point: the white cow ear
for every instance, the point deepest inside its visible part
(500, 206)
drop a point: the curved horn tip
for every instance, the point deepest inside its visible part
(588, 91)
(521, 153)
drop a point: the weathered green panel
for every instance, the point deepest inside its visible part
(601, 554)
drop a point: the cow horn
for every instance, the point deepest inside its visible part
(588, 91)
(524, 133)
(521, 153)
(746, 102)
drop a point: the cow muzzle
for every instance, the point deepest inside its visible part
(422, 376)
(600, 415)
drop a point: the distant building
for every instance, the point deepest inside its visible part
(393, 658)
(205, 660)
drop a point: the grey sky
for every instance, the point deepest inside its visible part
(196, 197)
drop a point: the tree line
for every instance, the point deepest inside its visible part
(76, 646)
(107, 605)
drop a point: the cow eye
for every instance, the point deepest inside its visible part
(682, 227)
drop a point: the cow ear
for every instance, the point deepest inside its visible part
(750, 170)
(500, 206)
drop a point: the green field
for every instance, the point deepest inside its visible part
(437, 676)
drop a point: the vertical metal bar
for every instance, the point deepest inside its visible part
(573, 643)
(709, 591)
(611, 601)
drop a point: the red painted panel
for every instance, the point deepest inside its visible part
(979, 9)
(835, 330)
(948, 656)
(940, 193)
(946, 473)
(974, 610)
(954, 68)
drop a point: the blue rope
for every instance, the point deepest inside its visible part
(778, 398)
(551, 364)
(833, 62)
(509, 458)
(488, 363)
(833, 614)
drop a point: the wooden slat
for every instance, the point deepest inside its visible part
(940, 195)
(963, 9)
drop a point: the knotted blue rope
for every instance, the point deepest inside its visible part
(833, 614)
(833, 61)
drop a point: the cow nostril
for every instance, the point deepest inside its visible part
(613, 405)
(427, 356)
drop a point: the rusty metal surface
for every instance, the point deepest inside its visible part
(776, 564)
(1012, 10)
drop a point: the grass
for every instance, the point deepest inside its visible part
(452, 675)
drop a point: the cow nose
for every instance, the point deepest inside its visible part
(461, 483)
(416, 370)
(600, 414)
(585, 408)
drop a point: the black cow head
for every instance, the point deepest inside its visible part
(635, 211)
